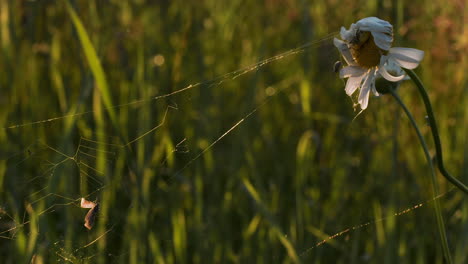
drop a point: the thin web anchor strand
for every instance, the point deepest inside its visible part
(356, 227)
(232, 75)
(74, 158)
(217, 80)
(238, 123)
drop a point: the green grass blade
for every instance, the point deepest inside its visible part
(94, 62)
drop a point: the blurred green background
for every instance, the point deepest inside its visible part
(296, 170)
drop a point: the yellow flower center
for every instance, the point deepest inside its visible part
(364, 51)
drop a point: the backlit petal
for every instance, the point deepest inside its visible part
(407, 57)
(373, 89)
(352, 71)
(374, 24)
(382, 40)
(383, 71)
(381, 30)
(363, 99)
(348, 34)
(344, 50)
(353, 84)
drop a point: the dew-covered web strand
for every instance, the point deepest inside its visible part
(75, 158)
(215, 81)
(277, 88)
(79, 162)
(82, 147)
(82, 143)
(372, 222)
(73, 256)
(81, 151)
(86, 148)
(282, 86)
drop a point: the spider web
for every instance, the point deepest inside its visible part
(79, 165)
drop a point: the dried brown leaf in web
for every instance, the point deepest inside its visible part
(90, 217)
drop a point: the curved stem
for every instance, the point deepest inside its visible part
(435, 189)
(435, 133)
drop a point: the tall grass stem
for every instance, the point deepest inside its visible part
(435, 132)
(435, 189)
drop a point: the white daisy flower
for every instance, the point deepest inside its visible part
(367, 49)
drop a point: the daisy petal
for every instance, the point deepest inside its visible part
(344, 50)
(352, 71)
(383, 71)
(407, 57)
(353, 84)
(373, 89)
(374, 23)
(381, 30)
(363, 99)
(382, 40)
(343, 32)
(347, 34)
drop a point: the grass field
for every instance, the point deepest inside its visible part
(217, 132)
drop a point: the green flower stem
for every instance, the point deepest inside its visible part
(435, 189)
(435, 133)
